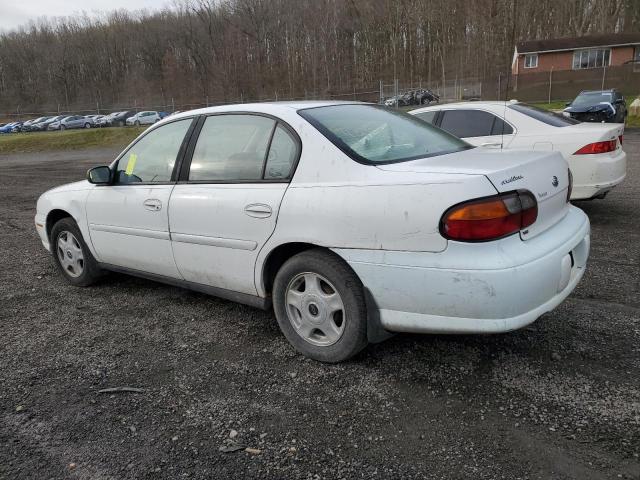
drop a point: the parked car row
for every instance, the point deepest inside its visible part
(67, 122)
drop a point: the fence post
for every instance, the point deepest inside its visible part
(381, 92)
(550, 83)
(98, 108)
(499, 85)
(604, 72)
(173, 105)
(395, 88)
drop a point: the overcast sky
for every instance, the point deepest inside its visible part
(15, 13)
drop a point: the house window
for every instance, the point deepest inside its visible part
(591, 58)
(531, 60)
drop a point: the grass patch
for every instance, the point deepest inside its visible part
(559, 105)
(68, 140)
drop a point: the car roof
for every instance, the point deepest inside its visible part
(266, 107)
(599, 91)
(474, 104)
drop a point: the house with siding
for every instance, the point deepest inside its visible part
(577, 53)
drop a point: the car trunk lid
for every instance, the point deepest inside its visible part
(545, 174)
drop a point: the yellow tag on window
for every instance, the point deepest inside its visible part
(132, 163)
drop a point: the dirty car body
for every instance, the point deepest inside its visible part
(338, 214)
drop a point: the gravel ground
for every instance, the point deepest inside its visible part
(559, 399)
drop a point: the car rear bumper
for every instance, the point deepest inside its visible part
(476, 288)
(594, 175)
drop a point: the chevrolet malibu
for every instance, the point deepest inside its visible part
(350, 219)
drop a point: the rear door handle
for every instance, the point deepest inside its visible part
(152, 204)
(258, 210)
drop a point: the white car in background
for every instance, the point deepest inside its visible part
(593, 150)
(144, 118)
(352, 219)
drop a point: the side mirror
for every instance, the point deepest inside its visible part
(99, 175)
(567, 104)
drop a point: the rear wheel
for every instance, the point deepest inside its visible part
(71, 254)
(87, 125)
(320, 307)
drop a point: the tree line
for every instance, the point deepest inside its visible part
(244, 50)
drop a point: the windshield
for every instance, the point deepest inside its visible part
(586, 99)
(376, 134)
(544, 116)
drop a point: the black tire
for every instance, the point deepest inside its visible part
(347, 285)
(91, 272)
(87, 125)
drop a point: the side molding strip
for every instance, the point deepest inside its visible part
(138, 232)
(214, 241)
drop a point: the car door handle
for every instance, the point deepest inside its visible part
(491, 144)
(152, 204)
(258, 210)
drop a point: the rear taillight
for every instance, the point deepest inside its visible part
(490, 218)
(598, 147)
(570, 188)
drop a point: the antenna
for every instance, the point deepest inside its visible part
(513, 41)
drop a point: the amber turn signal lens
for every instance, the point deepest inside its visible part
(490, 218)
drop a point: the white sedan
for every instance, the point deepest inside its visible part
(144, 118)
(593, 150)
(351, 219)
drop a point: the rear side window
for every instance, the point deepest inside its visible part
(467, 123)
(428, 117)
(231, 148)
(544, 116)
(282, 154)
(501, 127)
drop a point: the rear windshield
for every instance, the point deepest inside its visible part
(544, 116)
(375, 134)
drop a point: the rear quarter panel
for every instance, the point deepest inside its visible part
(335, 202)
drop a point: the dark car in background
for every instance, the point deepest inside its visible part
(119, 119)
(598, 106)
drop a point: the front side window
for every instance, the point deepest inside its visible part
(531, 60)
(152, 158)
(374, 134)
(591, 58)
(231, 148)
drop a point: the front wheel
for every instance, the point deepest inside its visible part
(87, 125)
(71, 254)
(320, 307)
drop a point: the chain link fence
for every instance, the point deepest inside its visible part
(530, 87)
